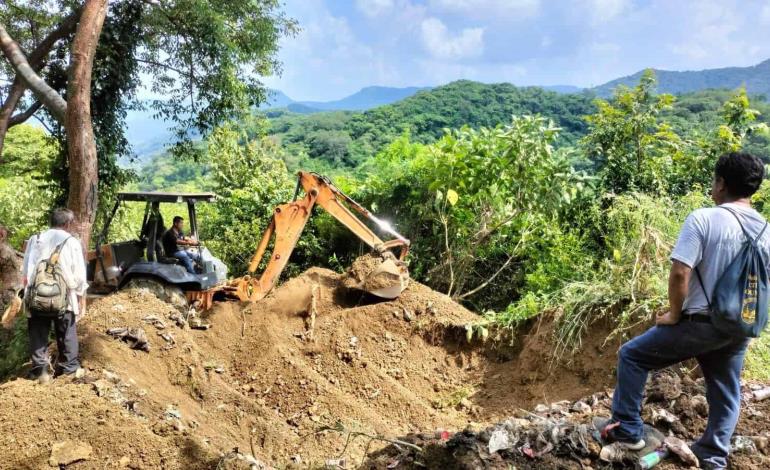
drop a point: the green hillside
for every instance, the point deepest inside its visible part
(756, 79)
(348, 138)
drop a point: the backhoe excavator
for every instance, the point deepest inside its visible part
(142, 262)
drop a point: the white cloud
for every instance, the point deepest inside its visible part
(765, 15)
(439, 41)
(712, 32)
(604, 47)
(602, 11)
(374, 8)
(488, 8)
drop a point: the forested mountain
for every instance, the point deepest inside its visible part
(756, 79)
(347, 138)
(366, 98)
(363, 99)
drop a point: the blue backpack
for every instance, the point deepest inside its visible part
(739, 302)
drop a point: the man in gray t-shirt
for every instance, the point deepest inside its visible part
(710, 239)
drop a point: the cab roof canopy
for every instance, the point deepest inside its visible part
(154, 196)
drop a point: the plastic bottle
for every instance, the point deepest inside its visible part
(653, 458)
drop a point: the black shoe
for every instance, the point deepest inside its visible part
(34, 374)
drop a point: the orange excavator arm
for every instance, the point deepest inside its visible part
(289, 221)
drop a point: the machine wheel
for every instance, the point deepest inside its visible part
(165, 292)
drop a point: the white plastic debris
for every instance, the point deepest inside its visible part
(500, 440)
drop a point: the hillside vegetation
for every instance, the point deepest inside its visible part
(756, 80)
(348, 138)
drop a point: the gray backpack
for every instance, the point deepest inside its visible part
(48, 289)
(739, 301)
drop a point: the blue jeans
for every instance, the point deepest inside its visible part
(186, 259)
(720, 358)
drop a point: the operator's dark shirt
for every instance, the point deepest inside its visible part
(170, 245)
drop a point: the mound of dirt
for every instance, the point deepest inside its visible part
(561, 435)
(303, 376)
(35, 418)
(267, 376)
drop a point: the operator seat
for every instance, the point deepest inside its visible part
(154, 229)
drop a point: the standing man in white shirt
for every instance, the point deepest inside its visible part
(73, 268)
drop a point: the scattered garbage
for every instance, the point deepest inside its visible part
(674, 403)
(761, 394)
(681, 449)
(172, 413)
(136, 337)
(650, 460)
(154, 321)
(336, 463)
(743, 444)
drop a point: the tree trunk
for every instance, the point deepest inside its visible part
(81, 145)
(14, 95)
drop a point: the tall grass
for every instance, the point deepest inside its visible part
(632, 237)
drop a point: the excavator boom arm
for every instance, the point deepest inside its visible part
(289, 221)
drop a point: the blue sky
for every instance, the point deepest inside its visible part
(345, 45)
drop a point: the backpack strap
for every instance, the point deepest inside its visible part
(753, 240)
(57, 251)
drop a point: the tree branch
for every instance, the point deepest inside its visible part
(22, 117)
(507, 263)
(168, 67)
(24, 71)
(36, 61)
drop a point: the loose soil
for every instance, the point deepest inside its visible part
(287, 379)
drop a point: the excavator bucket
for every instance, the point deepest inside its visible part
(388, 280)
(382, 275)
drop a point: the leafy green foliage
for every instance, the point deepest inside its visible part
(474, 200)
(250, 179)
(629, 144)
(26, 192)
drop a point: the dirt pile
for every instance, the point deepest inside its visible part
(264, 378)
(561, 435)
(36, 420)
(299, 378)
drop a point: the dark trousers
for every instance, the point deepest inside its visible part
(39, 327)
(720, 358)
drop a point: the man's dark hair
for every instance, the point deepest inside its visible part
(177, 219)
(743, 173)
(61, 217)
